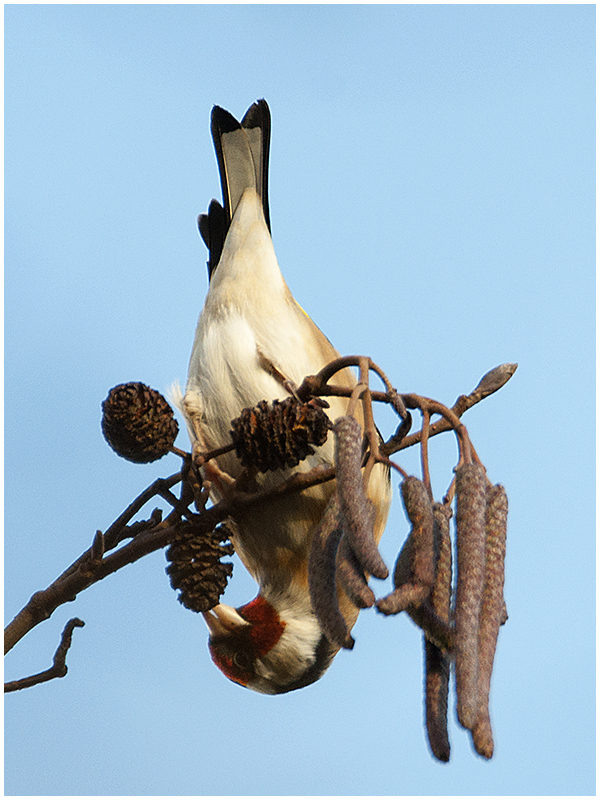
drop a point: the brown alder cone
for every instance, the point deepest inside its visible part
(195, 567)
(280, 434)
(138, 423)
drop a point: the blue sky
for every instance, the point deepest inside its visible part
(432, 206)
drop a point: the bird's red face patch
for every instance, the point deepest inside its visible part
(236, 653)
(267, 626)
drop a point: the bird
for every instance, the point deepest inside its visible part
(254, 342)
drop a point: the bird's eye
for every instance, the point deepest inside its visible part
(241, 659)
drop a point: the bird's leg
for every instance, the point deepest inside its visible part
(202, 456)
(214, 475)
(276, 373)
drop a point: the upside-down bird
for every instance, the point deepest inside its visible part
(253, 342)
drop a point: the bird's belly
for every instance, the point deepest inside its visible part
(227, 372)
(225, 377)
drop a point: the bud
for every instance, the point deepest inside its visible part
(494, 380)
(138, 423)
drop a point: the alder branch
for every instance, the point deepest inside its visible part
(59, 666)
(155, 533)
(148, 536)
(490, 383)
(114, 534)
(89, 568)
(318, 386)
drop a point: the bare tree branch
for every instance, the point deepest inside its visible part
(59, 666)
(148, 536)
(490, 383)
(109, 552)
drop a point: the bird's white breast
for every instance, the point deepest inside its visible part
(249, 314)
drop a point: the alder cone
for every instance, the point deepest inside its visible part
(138, 423)
(195, 567)
(280, 434)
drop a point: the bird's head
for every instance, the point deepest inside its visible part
(271, 647)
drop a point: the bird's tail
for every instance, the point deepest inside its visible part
(243, 155)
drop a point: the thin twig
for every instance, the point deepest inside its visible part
(59, 666)
(424, 454)
(112, 536)
(87, 570)
(490, 383)
(434, 407)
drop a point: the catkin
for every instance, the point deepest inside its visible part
(415, 567)
(352, 577)
(470, 551)
(492, 612)
(437, 662)
(357, 511)
(322, 578)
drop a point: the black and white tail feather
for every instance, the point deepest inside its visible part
(243, 156)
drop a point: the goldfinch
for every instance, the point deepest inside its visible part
(253, 342)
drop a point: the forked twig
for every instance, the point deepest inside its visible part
(149, 536)
(490, 383)
(59, 666)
